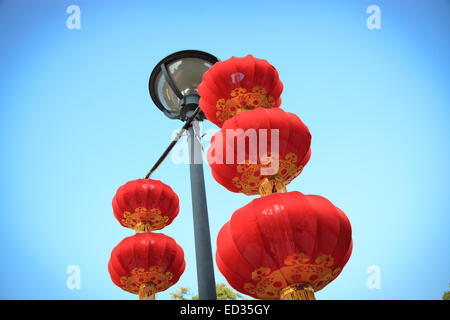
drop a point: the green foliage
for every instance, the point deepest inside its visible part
(180, 294)
(222, 290)
(446, 295)
(225, 293)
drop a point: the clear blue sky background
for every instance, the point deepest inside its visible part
(76, 122)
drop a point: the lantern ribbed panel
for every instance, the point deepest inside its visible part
(283, 239)
(236, 85)
(287, 152)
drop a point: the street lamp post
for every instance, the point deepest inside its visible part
(173, 88)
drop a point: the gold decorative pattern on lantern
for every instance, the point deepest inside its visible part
(153, 218)
(242, 100)
(267, 283)
(250, 177)
(139, 276)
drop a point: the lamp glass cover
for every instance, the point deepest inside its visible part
(187, 74)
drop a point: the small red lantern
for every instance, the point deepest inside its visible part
(146, 263)
(145, 205)
(284, 245)
(237, 157)
(238, 84)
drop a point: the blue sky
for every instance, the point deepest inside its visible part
(76, 122)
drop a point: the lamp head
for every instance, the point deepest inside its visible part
(174, 80)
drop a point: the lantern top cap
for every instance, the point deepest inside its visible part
(174, 80)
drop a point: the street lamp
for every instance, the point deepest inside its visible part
(174, 81)
(173, 88)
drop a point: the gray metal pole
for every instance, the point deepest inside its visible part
(203, 252)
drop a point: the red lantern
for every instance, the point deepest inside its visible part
(238, 84)
(237, 157)
(146, 263)
(284, 245)
(145, 205)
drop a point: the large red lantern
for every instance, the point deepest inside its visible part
(242, 156)
(146, 263)
(284, 245)
(238, 84)
(145, 205)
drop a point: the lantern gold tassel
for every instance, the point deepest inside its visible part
(271, 185)
(147, 291)
(302, 291)
(141, 227)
